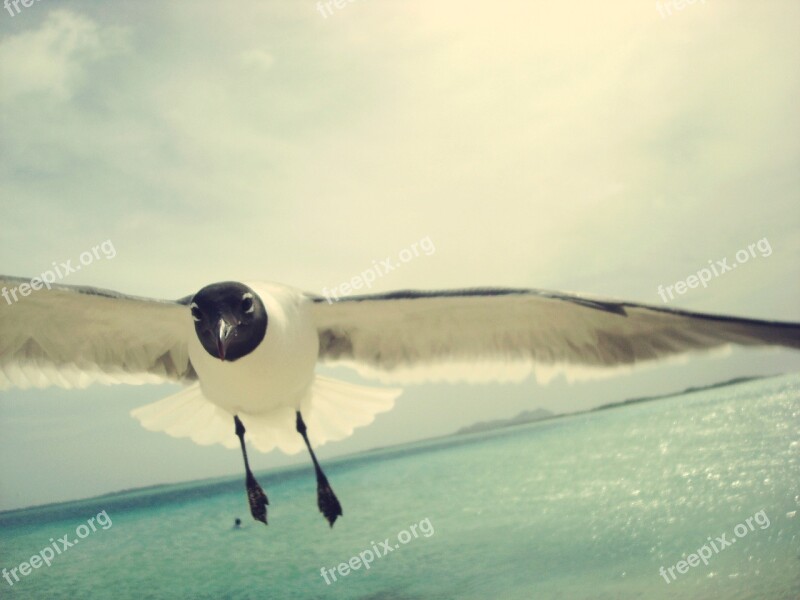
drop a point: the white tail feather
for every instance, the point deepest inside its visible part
(210, 424)
(331, 411)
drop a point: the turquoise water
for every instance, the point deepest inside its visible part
(589, 506)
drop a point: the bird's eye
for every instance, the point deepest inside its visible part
(196, 314)
(247, 303)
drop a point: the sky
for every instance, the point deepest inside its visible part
(600, 147)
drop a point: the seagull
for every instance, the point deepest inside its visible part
(246, 353)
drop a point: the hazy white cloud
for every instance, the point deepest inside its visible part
(258, 58)
(52, 58)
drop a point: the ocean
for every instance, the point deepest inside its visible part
(597, 505)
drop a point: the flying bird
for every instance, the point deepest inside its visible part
(247, 352)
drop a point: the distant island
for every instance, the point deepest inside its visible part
(540, 414)
(527, 416)
(689, 390)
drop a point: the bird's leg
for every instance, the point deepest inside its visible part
(255, 495)
(326, 500)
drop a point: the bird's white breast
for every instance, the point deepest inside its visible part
(278, 373)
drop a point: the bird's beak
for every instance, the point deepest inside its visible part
(223, 333)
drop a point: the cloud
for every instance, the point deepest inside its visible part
(53, 59)
(258, 58)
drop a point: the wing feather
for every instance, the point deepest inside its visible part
(489, 333)
(71, 337)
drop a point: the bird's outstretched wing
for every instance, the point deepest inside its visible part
(73, 336)
(483, 334)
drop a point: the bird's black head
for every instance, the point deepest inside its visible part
(229, 318)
